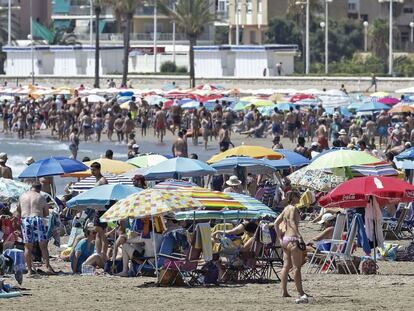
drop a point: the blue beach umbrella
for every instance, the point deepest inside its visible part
(373, 106)
(53, 166)
(178, 168)
(191, 105)
(102, 196)
(405, 159)
(228, 165)
(285, 106)
(294, 158)
(344, 111)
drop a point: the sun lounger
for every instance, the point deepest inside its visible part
(393, 227)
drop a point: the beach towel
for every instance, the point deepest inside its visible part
(373, 223)
(203, 240)
(17, 256)
(361, 235)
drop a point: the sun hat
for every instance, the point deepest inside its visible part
(233, 181)
(326, 217)
(3, 157)
(29, 161)
(342, 132)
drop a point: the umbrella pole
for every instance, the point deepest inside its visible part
(155, 248)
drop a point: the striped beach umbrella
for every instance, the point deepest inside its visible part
(89, 182)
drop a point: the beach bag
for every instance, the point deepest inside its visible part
(265, 236)
(210, 273)
(368, 266)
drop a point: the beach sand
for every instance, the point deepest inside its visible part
(390, 289)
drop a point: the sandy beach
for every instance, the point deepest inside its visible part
(390, 289)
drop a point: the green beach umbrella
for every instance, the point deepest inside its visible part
(147, 160)
(342, 158)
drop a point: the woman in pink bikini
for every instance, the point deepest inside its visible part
(292, 244)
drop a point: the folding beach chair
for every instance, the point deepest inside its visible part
(319, 256)
(345, 257)
(393, 227)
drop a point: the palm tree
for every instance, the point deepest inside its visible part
(4, 33)
(97, 7)
(191, 16)
(124, 12)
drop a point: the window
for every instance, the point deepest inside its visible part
(408, 10)
(249, 6)
(405, 36)
(352, 6)
(259, 6)
(364, 17)
(222, 6)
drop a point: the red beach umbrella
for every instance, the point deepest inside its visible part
(355, 192)
(298, 97)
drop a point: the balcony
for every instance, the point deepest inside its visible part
(118, 37)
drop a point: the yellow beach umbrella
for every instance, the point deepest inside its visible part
(150, 202)
(380, 94)
(263, 103)
(108, 166)
(247, 151)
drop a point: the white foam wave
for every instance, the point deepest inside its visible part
(16, 162)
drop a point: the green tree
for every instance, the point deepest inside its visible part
(379, 36)
(284, 31)
(191, 16)
(124, 12)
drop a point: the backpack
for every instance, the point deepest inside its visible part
(368, 266)
(210, 273)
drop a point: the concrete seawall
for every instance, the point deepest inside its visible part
(352, 84)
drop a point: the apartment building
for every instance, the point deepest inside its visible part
(77, 15)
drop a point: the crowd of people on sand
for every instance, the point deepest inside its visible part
(116, 248)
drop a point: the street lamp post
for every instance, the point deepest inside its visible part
(307, 56)
(30, 37)
(237, 22)
(173, 38)
(412, 32)
(365, 24)
(390, 47)
(155, 36)
(323, 25)
(327, 35)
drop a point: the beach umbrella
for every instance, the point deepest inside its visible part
(380, 94)
(11, 190)
(52, 166)
(247, 151)
(405, 159)
(147, 160)
(90, 182)
(343, 110)
(107, 166)
(223, 215)
(298, 97)
(153, 100)
(356, 192)
(252, 165)
(342, 158)
(294, 158)
(285, 106)
(355, 105)
(262, 103)
(178, 168)
(191, 105)
(102, 196)
(318, 180)
(123, 102)
(250, 203)
(150, 202)
(373, 106)
(95, 98)
(401, 108)
(389, 100)
(175, 184)
(376, 169)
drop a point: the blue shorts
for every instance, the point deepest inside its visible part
(276, 129)
(383, 131)
(33, 230)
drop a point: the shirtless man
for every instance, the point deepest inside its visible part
(176, 117)
(119, 125)
(128, 127)
(5, 171)
(277, 121)
(383, 121)
(160, 124)
(109, 123)
(370, 128)
(179, 148)
(33, 210)
(101, 241)
(290, 120)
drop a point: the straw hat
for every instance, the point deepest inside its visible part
(342, 132)
(326, 217)
(3, 157)
(233, 181)
(29, 161)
